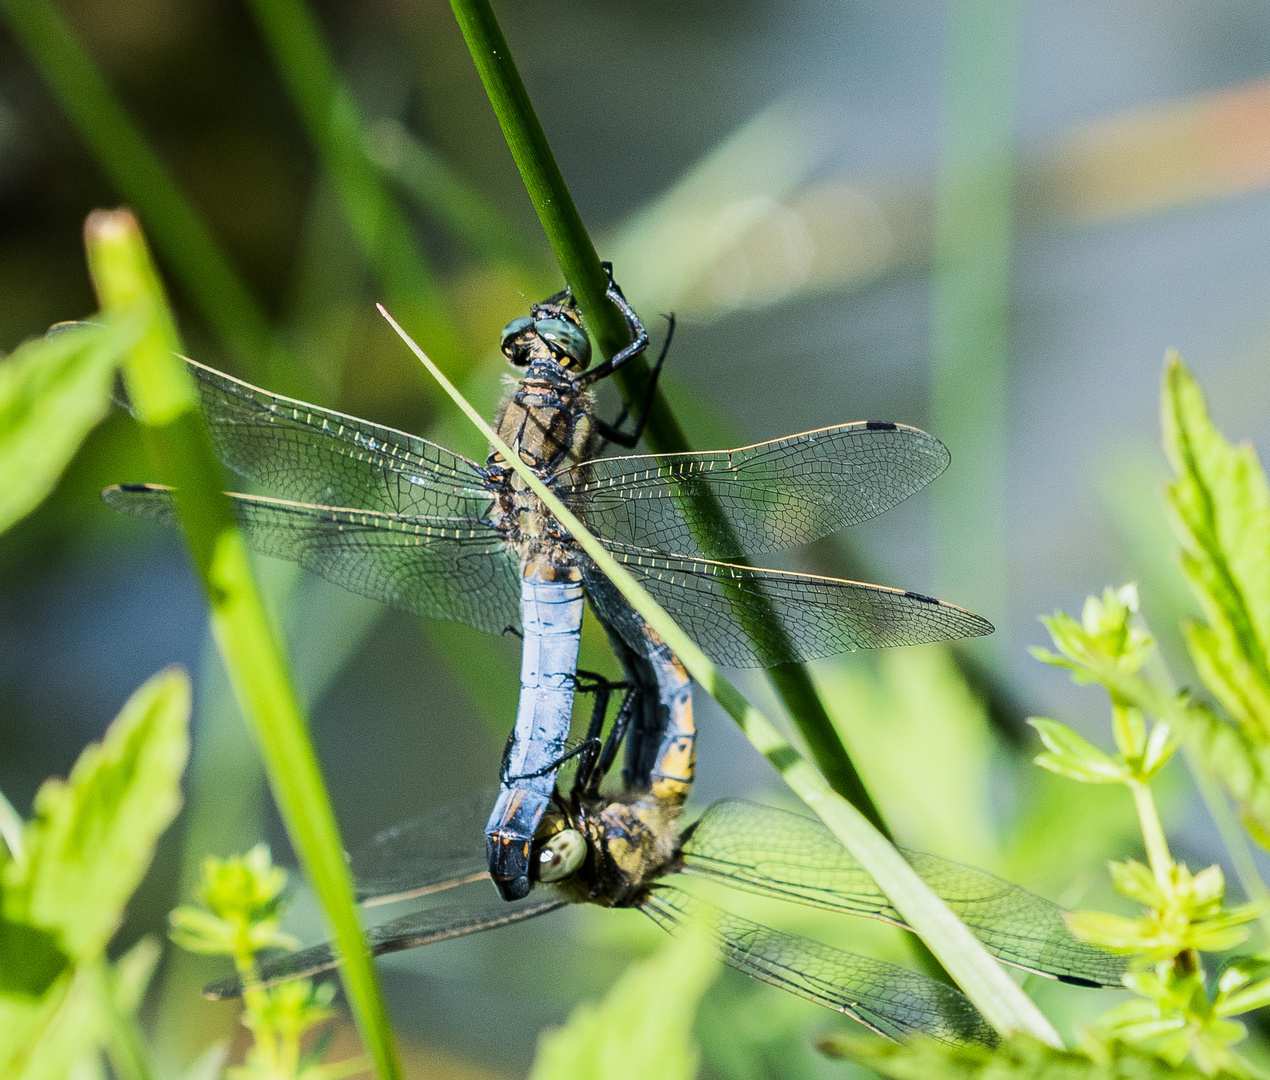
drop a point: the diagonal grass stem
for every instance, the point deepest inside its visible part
(1003, 1004)
(165, 402)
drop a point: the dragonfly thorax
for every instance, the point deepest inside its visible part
(629, 844)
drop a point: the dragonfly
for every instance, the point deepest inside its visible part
(631, 850)
(405, 521)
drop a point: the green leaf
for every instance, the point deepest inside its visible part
(1135, 880)
(1116, 933)
(1019, 1058)
(642, 1030)
(1242, 763)
(42, 1038)
(1072, 756)
(53, 392)
(1220, 504)
(94, 834)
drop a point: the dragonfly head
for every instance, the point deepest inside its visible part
(552, 333)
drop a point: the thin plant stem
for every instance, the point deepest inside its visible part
(576, 254)
(1153, 834)
(165, 402)
(179, 232)
(1001, 1002)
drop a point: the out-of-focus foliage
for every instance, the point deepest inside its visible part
(1020, 1058)
(64, 887)
(1175, 1013)
(642, 1030)
(239, 913)
(53, 391)
(1220, 512)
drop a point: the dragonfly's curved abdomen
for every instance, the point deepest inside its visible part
(551, 613)
(676, 762)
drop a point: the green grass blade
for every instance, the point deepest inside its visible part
(165, 402)
(330, 114)
(1002, 1003)
(131, 163)
(577, 257)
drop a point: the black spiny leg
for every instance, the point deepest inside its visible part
(628, 439)
(589, 748)
(639, 336)
(613, 743)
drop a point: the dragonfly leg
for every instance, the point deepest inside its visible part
(628, 439)
(639, 336)
(587, 746)
(613, 743)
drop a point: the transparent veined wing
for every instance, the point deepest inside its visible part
(408, 932)
(441, 848)
(891, 1000)
(728, 610)
(775, 852)
(774, 494)
(441, 568)
(313, 455)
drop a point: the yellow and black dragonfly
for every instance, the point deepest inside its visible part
(403, 520)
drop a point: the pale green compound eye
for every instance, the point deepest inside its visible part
(561, 856)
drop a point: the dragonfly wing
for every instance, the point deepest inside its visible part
(437, 850)
(442, 568)
(315, 455)
(765, 850)
(728, 610)
(407, 932)
(774, 494)
(888, 999)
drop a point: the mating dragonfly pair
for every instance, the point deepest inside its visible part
(405, 521)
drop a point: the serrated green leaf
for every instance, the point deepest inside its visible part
(93, 834)
(1073, 756)
(1220, 505)
(1230, 680)
(1242, 764)
(53, 392)
(642, 1030)
(1019, 1058)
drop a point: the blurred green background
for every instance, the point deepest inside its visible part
(986, 218)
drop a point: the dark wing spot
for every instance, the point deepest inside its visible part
(879, 425)
(919, 596)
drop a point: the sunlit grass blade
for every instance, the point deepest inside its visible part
(179, 231)
(330, 114)
(576, 254)
(982, 979)
(165, 402)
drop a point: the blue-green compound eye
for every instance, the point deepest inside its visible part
(566, 338)
(515, 327)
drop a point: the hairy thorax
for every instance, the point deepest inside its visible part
(630, 843)
(548, 423)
